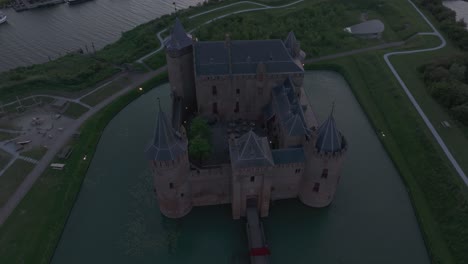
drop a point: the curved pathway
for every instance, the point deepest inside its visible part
(411, 97)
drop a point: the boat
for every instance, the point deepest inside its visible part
(74, 2)
(3, 18)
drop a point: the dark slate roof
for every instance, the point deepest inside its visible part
(290, 41)
(329, 137)
(166, 145)
(286, 107)
(178, 39)
(288, 155)
(212, 57)
(251, 151)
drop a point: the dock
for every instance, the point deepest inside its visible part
(258, 248)
(21, 5)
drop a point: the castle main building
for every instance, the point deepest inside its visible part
(268, 144)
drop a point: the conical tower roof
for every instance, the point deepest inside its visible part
(166, 145)
(329, 138)
(179, 38)
(290, 40)
(252, 151)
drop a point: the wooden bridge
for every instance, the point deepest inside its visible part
(258, 248)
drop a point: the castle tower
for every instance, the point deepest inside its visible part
(179, 56)
(294, 49)
(170, 166)
(324, 160)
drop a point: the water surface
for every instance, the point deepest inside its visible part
(33, 36)
(116, 219)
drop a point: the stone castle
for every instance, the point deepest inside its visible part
(267, 143)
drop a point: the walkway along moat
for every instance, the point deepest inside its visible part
(116, 219)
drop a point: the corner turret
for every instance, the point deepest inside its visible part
(179, 56)
(170, 166)
(294, 48)
(324, 161)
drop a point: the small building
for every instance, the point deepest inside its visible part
(368, 29)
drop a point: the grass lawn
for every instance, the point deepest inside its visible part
(69, 73)
(31, 233)
(75, 110)
(106, 91)
(36, 153)
(439, 197)
(6, 136)
(4, 159)
(12, 178)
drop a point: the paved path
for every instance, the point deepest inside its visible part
(356, 51)
(411, 97)
(61, 140)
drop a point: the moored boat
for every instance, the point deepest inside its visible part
(74, 2)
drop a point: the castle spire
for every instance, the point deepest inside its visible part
(329, 138)
(179, 38)
(166, 145)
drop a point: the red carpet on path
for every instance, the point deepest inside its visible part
(263, 251)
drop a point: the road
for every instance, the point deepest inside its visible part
(428, 123)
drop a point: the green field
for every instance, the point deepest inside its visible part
(31, 233)
(106, 91)
(35, 153)
(12, 178)
(75, 110)
(4, 159)
(6, 136)
(70, 73)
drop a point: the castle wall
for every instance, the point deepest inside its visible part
(318, 186)
(251, 183)
(172, 186)
(286, 179)
(211, 186)
(181, 75)
(250, 94)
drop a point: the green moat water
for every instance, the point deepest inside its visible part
(116, 219)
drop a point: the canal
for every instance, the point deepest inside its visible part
(33, 36)
(116, 219)
(460, 7)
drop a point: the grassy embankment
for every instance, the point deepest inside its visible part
(317, 24)
(4, 159)
(35, 153)
(106, 91)
(75, 110)
(438, 195)
(32, 232)
(11, 179)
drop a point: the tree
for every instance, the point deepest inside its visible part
(199, 127)
(199, 148)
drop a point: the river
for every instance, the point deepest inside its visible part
(116, 220)
(31, 37)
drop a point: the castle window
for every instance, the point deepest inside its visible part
(213, 90)
(236, 110)
(325, 173)
(215, 108)
(171, 185)
(237, 91)
(182, 195)
(252, 178)
(260, 90)
(298, 171)
(316, 187)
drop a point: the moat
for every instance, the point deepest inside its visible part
(116, 218)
